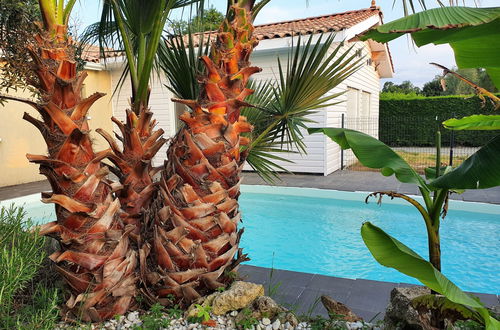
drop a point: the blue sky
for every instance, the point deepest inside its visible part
(410, 63)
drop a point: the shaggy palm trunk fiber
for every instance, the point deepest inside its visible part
(133, 161)
(195, 233)
(94, 257)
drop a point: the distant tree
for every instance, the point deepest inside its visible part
(406, 87)
(16, 29)
(455, 86)
(210, 21)
(433, 88)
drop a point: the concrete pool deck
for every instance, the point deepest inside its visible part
(340, 180)
(300, 291)
(367, 181)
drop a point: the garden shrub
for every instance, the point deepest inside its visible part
(27, 301)
(412, 121)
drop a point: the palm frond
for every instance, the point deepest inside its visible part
(134, 27)
(180, 63)
(283, 107)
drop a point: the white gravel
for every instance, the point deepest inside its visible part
(133, 321)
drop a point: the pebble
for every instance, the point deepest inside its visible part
(224, 322)
(266, 321)
(355, 325)
(132, 317)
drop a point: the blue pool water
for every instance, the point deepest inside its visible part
(318, 231)
(321, 234)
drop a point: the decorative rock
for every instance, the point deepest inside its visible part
(401, 313)
(233, 313)
(338, 308)
(266, 321)
(269, 327)
(291, 319)
(276, 324)
(266, 306)
(238, 296)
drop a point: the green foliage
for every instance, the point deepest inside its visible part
(210, 20)
(446, 308)
(433, 88)
(203, 311)
(473, 34)
(474, 123)
(155, 318)
(420, 131)
(455, 86)
(479, 171)
(390, 252)
(179, 60)
(282, 108)
(16, 31)
(22, 252)
(248, 321)
(373, 154)
(136, 28)
(406, 87)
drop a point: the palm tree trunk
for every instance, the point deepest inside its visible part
(195, 234)
(94, 257)
(133, 161)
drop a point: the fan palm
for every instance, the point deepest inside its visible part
(134, 27)
(94, 258)
(196, 235)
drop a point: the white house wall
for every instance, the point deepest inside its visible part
(323, 155)
(365, 80)
(314, 161)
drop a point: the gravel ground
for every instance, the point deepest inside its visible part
(135, 321)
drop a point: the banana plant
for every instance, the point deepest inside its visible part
(478, 171)
(472, 33)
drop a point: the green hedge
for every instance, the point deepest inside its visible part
(412, 122)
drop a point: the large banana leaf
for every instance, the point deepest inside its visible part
(373, 153)
(474, 123)
(481, 170)
(473, 33)
(390, 252)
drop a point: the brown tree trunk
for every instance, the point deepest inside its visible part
(195, 234)
(94, 256)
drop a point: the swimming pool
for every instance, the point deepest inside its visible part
(317, 231)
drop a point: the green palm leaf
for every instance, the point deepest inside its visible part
(282, 108)
(180, 63)
(134, 27)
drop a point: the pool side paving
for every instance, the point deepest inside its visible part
(301, 291)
